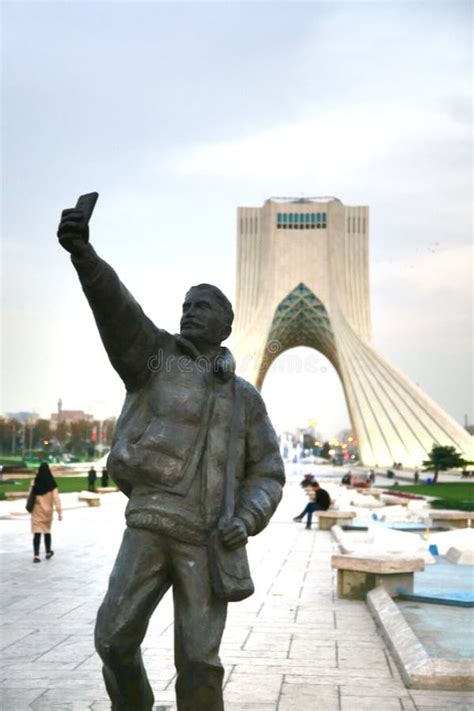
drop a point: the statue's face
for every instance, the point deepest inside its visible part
(203, 317)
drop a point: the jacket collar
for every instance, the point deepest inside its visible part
(223, 365)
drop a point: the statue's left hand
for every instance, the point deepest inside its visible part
(234, 534)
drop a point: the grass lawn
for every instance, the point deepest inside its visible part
(66, 485)
(456, 495)
(8, 459)
(450, 490)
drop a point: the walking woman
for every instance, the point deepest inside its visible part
(46, 497)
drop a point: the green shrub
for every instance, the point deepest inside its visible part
(452, 504)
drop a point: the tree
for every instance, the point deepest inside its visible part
(80, 442)
(443, 458)
(42, 432)
(62, 432)
(7, 435)
(108, 428)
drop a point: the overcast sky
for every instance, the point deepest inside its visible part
(177, 113)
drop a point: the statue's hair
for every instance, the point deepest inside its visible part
(221, 299)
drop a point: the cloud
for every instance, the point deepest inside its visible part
(437, 270)
(330, 144)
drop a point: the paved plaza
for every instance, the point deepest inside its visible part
(293, 646)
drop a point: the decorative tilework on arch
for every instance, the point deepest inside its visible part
(301, 319)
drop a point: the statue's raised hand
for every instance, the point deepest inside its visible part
(73, 230)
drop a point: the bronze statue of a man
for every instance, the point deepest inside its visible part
(187, 421)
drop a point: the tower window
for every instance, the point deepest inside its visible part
(299, 220)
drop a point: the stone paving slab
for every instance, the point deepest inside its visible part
(293, 646)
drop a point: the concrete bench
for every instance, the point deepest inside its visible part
(12, 495)
(89, 497)
(393, 500)
(330, 518)
(357, 575)
(454, 519)
(376, 493)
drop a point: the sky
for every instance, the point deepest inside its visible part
(177, 113)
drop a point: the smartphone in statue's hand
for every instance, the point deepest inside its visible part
(73, 231)
(86, 204)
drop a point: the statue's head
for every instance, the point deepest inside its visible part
(207, 315)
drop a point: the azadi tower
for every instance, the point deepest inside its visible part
(303, 280)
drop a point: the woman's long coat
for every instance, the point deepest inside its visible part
(42, 514)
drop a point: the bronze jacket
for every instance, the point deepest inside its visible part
(169, 451)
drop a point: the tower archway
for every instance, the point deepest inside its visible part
(303, 279)
(300, 319)
(303, 389)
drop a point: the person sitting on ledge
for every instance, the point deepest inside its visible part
(307, 481)
(321, 502)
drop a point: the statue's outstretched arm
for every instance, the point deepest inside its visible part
(128, 335)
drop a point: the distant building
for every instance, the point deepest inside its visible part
(69, 417)
(23, 416)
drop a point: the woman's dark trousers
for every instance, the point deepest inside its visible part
(37, 541)
(308, 512)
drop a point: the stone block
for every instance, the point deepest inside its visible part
(356, 576)
(418, 670)
(89, 497)
(452, 519)
(328, 519)
(461, 556)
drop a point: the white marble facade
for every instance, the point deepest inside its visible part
(303, 280)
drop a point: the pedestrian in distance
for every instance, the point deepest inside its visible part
(91, 477)
(104, 481)
(321, 502)
(46, 499)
